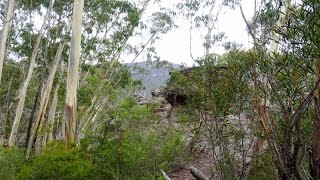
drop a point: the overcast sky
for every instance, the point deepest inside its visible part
(174, 46)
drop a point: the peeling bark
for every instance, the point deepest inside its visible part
(263, 104)
(73, 74)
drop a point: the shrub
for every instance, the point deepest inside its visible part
(137, 155)
(11, 160)
(55, 162)
(262, 168)
(131, 145)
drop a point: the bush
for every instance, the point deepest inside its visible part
(131, 145)
(11, 161)
(57, 163)
(135, 155)
(262, 168)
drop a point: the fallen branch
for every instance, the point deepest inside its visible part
(166, 177)
(197, 174)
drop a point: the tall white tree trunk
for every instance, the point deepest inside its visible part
(4, 34)
(25, 84)
(279, 24)
(73, 73)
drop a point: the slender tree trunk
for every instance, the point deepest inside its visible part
(73, 71)
(4, 117)
(314, 152)
(1, 128)
(52, 112)
(32, 115)
(279, 160)
(25, 84)
(5, 32)
(45, 99)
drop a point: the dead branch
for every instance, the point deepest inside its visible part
(165, 176)
(197, 174)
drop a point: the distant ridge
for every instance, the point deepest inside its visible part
(152, 74)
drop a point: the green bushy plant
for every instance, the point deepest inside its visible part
(11, 161)
(56, 162)
(132, 146)
(262, 168)
(136, 155)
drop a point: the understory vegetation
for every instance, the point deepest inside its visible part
(129, 147)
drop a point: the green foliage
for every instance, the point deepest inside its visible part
(134, 115)
(218, 84)
(11, 161)
(105, 79)
(56, 162)
(216, 89)
(262, 168)
(119, 153)
(130, 146)
(137, 155)
(11, 77)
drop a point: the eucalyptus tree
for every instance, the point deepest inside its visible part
(73, 72)
(52, 53)
(107, 29)
(45, 95)
(263, 104)
(279, 104)
(303, 41)
(4, 37)
(122, 21)
(286, 80)
(39, 51)
(268, 84)
(4, 33)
